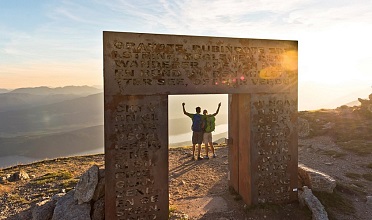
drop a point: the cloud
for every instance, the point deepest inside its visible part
(332, 34)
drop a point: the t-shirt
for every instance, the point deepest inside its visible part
(197, 122)
(209, 123)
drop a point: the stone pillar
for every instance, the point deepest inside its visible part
(136, 157)
(263, 155)
(274, 148)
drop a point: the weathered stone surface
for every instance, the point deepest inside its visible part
(44, 210)
(67, 208)
(17, 176)
(27, 214)
(99, 209)
(86, 186)
(316, 180)
(100, 189)
(58, 196)
(303, 127)
(306, 197)
(369, 200)
(101, 173)
(136, 101)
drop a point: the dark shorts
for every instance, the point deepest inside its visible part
(197, 137)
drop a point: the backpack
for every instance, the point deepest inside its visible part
(197, 123)
(210, 124)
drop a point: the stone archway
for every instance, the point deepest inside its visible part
(141, 70)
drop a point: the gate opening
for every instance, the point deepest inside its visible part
(142, 70)
(202, 181)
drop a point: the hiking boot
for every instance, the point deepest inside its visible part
(206, 157)
(200, 158)
(214, 155)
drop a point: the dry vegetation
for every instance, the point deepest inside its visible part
(339, 144)
(49, 178)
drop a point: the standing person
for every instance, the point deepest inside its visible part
(209, 126)
(197, 130)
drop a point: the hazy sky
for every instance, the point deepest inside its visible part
(58, 43)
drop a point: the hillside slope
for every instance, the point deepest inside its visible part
(338, 143)
(63, 144)
(62, 116)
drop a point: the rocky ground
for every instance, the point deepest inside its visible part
(331, 144)
(199, 189)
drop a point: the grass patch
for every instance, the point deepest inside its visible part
(358, 184)
(353, 175)
(367, 176)
(172, 208)
(172, 211)
(359, 147)
(51, 177)
(69, 183)
(333, 153)
(335, 203)
(52, 191)
(351, 189)
(15, 198)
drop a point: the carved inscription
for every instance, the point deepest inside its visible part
(141, 70)
(137, 142)
(138, 62)
(271, 130)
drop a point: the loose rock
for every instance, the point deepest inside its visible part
(67, 208)
(306, 197)
(17, 176)
(87, 184)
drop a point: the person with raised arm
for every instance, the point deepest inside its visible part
(197, 130)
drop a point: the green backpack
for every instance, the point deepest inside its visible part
(210, 124)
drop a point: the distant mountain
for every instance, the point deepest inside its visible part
(44, 90)
(4, 91)
(16, 101)
(63, 144)
(62, 116)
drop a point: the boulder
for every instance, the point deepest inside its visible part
(99, 209)
(316, 180)
(44, 210)
(67, 208)
(17, 176)
(306, 197)
(369, 200)
(27, 214)
(100, 190)
(86, 186)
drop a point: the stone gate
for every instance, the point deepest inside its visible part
(141, 70)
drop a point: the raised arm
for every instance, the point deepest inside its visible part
(218, 109)
(184, 110)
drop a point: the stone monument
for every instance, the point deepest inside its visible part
(141, 70)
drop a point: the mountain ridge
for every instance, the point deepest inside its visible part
(45, 90)
(82, 111)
